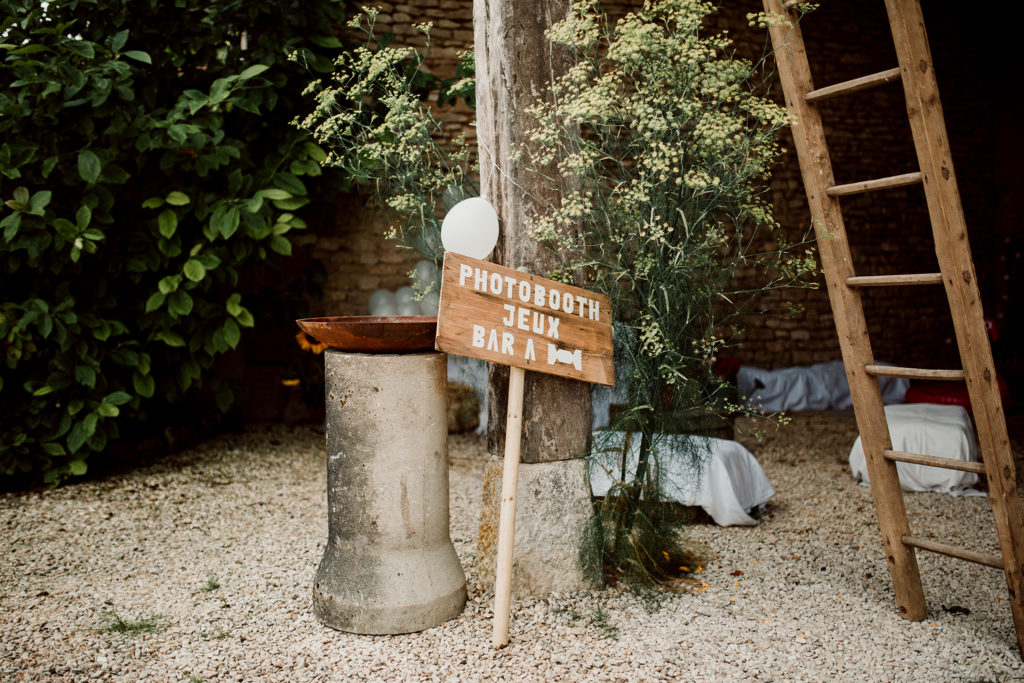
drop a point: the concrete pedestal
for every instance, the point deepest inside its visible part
(389, 565)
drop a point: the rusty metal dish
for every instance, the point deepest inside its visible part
(373, 333)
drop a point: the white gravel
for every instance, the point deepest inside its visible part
(805, 596)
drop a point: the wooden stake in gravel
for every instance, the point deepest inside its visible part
(507, 521)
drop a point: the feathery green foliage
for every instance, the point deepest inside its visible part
(660, 141)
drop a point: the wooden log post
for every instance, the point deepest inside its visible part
(514, 63)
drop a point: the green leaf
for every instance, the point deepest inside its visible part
(291, 204)
(107, 410)
(275, 193)
(281, 245)
(232, 333)
(144, 384)
(244, 318)
(89, 423)
(177, 198)
(85, 375)
(254, 70)
(289, 183)
(119, 40)
(21, 195)
(153, 203)
(229, 222)
(167, 223)
(43, 390)
(48, 166)
(179, 303)
(155, 301)
(118, 398)
(89, 166)
(65, 228)
(254, 204)
(194, 270)
(169, 338)
(83, 216)
(39, 201)
(82, 48)
(329, 42)
(138, 55)
(169, 284)
(315, 152)
(234, 304)
(76, 438)
(77, 467)
(53, 448)
(30, 49)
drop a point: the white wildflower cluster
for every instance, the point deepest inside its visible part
(371, 118)
(660, 150)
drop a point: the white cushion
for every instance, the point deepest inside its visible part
(728, 484)
(944, 431)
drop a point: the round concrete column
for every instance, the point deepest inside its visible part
(389, 565)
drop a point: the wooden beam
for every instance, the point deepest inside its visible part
(934, 461)
(862, 83)
(913, 373)
(987, 559)
(894, 280)
(873, 185)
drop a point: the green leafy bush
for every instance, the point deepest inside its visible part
(146, 164)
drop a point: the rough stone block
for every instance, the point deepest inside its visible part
(553, 513)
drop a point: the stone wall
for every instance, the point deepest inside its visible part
(869, 138)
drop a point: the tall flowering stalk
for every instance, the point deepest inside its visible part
(372, 116)
(660, 141)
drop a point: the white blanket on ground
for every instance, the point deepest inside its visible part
(822, 386)
(944, 431)
(730, 485)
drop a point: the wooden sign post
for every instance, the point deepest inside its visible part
(505, 316)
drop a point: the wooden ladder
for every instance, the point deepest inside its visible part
(957, 276)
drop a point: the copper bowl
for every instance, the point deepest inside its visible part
(373, 333)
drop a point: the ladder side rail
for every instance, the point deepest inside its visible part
(851, 327)
(953, 250)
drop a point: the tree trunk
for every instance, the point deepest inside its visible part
(514, 63)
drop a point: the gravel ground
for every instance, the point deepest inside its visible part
(217, 547)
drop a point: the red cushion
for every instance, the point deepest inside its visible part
(946, 393)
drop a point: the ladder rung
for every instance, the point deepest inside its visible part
(892, 280)
(933, 461)
(854, 85)
(912, 373)
(871, 185)
(954, 551)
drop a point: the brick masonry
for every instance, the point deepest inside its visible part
(869, 138)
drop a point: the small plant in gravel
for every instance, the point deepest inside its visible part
(602, 620)
(211, 584)
(114, 623)
(219, 635)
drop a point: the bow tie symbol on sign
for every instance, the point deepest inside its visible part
(513, 318)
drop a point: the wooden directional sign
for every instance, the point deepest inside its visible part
(512, 318)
